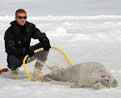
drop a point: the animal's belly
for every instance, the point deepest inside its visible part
(72, 74)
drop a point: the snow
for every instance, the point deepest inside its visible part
(82, 38)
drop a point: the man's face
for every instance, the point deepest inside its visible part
(21, 18)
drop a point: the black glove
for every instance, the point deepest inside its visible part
(46, 44)
(27, 51)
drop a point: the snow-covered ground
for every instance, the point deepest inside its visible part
(82, 38)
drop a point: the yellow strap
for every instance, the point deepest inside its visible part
(63, 54)
(25, 69)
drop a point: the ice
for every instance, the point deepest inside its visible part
(82, 38)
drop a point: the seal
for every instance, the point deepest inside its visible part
(83, 75)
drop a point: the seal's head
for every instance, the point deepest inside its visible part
(108, 80)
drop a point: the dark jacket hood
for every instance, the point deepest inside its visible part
(15, 23)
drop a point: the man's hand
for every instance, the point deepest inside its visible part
(27, 51)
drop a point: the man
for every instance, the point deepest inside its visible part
(17, 41)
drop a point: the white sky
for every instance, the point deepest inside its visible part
(62, 7)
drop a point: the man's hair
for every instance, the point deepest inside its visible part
(20, 11)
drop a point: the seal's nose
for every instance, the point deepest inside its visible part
(114, 84)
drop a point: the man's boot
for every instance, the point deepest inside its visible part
(14, 73)
(37, 74)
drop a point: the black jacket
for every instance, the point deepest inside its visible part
(17, 37)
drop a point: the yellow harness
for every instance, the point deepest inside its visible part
(41, 49)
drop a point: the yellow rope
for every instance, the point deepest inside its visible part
(63, 54)
(41, 49)
(25, 69)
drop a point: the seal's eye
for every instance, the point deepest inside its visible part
(96, 81)
(103, 76)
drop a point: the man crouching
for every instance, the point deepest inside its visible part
(17, 42)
